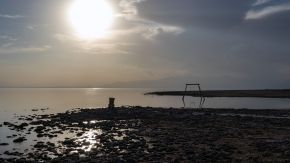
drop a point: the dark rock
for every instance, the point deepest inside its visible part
(19, 140)
(21, 126)
(13, 153)
(69, 142)
(40, 145)
(3, 144)
(50, 136)
(40, 135)
(39, 129)
(80, 134)
(6, 123)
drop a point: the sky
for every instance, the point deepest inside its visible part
(224, 44)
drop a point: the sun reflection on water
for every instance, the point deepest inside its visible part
(88, 139)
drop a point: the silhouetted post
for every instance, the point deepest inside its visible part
(111, 103)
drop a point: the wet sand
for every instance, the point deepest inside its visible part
(145, 134)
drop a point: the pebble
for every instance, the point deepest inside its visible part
(4, 144)
(19, 140)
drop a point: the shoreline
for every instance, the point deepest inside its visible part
(263, 93)
(147, 134)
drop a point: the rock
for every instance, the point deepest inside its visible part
(19, 140)
(21, 126)
(68, 142)
(13, 153)
(3, 144)
(39, 129)
(40, 145)
(86, 143)
(80, 134)
(8, 124)
(40, 135)
(50, 144)
(50, 136)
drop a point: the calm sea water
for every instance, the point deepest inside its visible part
(14, 102)
(22, 101)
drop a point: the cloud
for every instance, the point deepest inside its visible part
(31, 27)
(10, 38)
(35, 26)
(129, 9)
(267, 11)
(65, 37)
(105, 48)
(31, 49)
(6, 45)
(94, 46)
(147, 28)
(11, 16)
(261, 2)
(154, 29)
(135, 27)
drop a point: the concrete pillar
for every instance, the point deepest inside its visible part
(111, 103)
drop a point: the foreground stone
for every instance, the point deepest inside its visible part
(138, 134)
(19, 140)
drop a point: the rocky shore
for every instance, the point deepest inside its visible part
(145, 134)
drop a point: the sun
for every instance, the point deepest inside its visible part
(90, 18)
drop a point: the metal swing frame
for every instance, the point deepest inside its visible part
(202, 98)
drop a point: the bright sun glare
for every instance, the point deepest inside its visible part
(91, 18)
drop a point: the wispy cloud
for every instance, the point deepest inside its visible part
(11, 16)
(6, 45)
(65, 37)
(150, 31)
(35, 26)
(31, 27)
(267, 11)
(10, 38)
(105, 48)
(137, 27)
(129, 9)
(31, 49)
(93, 46)
(261, 2)
(147, 28)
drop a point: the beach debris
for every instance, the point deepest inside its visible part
(202, 98)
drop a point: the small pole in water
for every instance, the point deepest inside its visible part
(111, 103)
